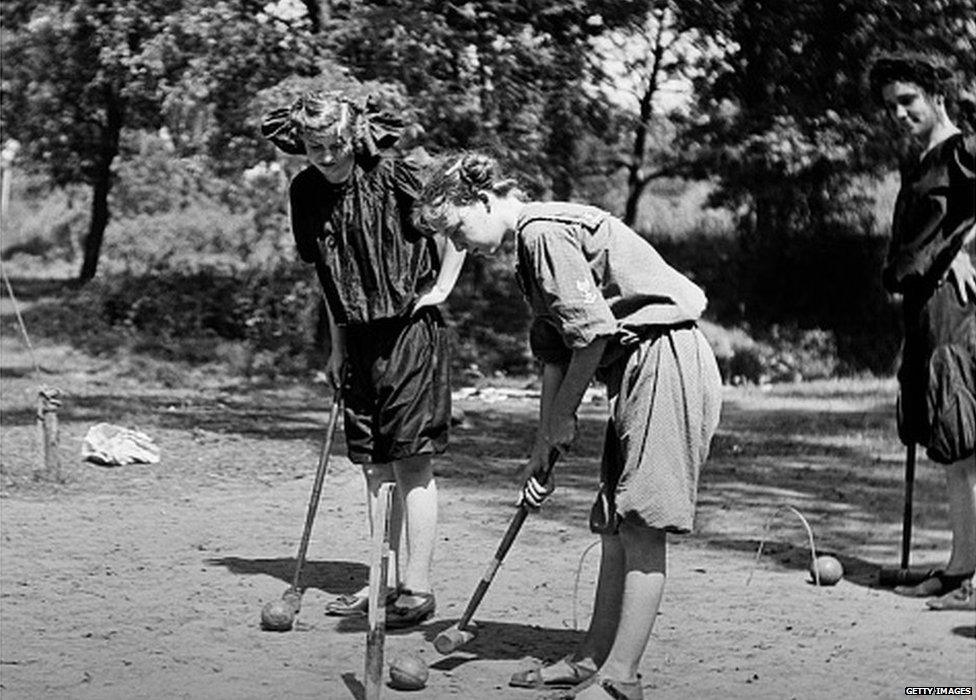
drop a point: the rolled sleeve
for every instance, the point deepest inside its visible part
(565, 286)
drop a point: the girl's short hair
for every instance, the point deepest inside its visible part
(930, 73)
(458, 180)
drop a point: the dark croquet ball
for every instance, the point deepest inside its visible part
(408, 672)
(277, 616)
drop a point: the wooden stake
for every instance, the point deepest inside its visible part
(48, 402)
(378, 571)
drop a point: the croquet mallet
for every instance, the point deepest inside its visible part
(378, 571)
(905, 576)
(293, 595)
(463, 632)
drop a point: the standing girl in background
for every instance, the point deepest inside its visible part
(930, 263)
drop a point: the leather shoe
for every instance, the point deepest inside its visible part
(399, 615)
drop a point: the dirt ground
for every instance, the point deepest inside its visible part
(147, 581)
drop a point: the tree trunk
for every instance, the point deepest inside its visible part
(101, 185)
(319, 12)
(635, 181)
(99, 221)
(562, 143)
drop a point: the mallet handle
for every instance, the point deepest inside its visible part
(521, 513)
(379, 564)
(906, 525)
(313, 501)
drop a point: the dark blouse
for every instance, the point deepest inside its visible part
(935, 209)
(371, 260)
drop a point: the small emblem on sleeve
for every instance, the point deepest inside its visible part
(585, 288)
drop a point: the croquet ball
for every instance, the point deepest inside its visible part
(277, 616)
(829, 569)
(408, 672)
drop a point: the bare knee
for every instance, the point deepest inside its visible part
(413, 472)
(645, 547)
(963, 470)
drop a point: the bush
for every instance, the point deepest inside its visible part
(195, 273)
(829, 282)
(490, 319)
(198, 237)
(792, 354)
(48, 226)
(780, 354)
(193, 317)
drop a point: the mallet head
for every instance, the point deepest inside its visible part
(293, 598)
(453, 638)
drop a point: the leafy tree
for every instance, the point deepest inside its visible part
(788, 114)
(78, 73)
(489, 73)
(645, 68)
(787, 124)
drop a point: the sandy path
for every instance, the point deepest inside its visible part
(147, 582)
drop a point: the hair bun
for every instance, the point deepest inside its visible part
(478, 170)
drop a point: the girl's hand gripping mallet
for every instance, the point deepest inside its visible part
(463, 632)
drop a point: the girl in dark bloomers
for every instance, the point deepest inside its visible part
(351, 216)
(602, 300)
(930, 262)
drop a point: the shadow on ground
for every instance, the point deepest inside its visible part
(333, 577)
(833, 454)
(33, 288)
(836, 460)
(787, 556)
(493, 640)
(256, 415)
(506, 641)
(354, 685)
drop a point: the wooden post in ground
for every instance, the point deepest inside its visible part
(378, 571)
(48, 402)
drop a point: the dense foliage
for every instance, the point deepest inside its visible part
(154, 107)
(79, 75)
